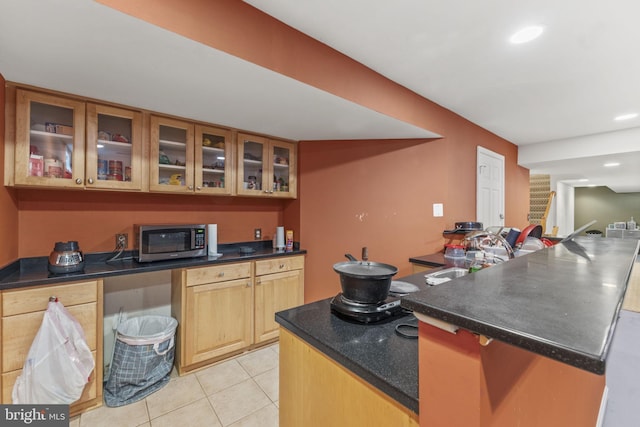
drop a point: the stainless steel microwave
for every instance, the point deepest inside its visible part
(169, 241)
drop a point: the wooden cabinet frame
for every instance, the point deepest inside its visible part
(225, 309)
(22, 312)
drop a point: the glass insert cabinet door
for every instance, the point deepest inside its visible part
(213, 160)
(114, 148)
(252, 166)
(49, 140)
(266, 167)
(171, 163)
(283, 171)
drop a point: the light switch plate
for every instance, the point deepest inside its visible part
(438, 209)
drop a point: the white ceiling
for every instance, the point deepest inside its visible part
(550, 93)
(582, 72)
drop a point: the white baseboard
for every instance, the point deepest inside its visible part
(603, 406)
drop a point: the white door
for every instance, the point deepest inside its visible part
(490, 188)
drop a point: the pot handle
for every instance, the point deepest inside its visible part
(350, 257)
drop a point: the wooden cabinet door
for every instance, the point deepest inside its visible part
(252, 175)
(218, 319)
(22, 314)
(283, 175)
(213, 160)
(266, 167)
(49, 146)
(171, 157)
(114, 148)
(273, 293)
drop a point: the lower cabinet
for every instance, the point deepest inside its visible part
(225, 309)
(22, 314)
(279, 286)
(316, 391)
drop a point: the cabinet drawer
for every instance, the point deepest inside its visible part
(19, 331)
(278, 265)
(217, 273)
(9, 379)
(19, 301)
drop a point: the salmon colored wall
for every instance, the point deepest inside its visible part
(465, 384)
(8, 202)
(380, 194)
(93, 218)
(354, 193)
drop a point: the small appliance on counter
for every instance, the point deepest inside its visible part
(157, 242)
(365, 291)
(65, 258)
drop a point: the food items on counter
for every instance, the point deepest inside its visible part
(289, 240)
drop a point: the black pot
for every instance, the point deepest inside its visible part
(365, 281)
(465, 227)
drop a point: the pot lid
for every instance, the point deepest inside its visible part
(365, 269)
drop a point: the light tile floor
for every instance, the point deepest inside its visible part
(239, 392)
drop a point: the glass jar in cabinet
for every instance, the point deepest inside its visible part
(114, 148)
(171, 156)
(266, 167)
(49, 148)
(213, 160)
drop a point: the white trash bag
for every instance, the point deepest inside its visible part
(59, 361)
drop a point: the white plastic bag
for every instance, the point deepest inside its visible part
(59, 361)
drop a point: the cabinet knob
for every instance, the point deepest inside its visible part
(281, 265)
(190, 187)
(248, 284)
(198, 188)
(78, 181)
(221, 274)
(90, 180)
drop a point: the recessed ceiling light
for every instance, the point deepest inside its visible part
(526, 34)
(612, 164)
(626, 117)
(583, 180)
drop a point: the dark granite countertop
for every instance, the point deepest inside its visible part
(372, 351)
(33, 271)
(561, 302)
(431, 260)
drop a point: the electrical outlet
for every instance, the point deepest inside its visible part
(122, 240)
(257, 233)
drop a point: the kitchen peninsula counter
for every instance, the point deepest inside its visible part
(33, 271)
(561, 302)
(373, 351)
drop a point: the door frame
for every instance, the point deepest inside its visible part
(486, 152)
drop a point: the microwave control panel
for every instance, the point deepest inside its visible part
(199, 240)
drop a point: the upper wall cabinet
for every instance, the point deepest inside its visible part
(171, 156)
(49, 149)
(213, 160)
(114, 158)
(53, 150)
(266, 167)
(187, 158)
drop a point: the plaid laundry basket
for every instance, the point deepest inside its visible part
(142, 359)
